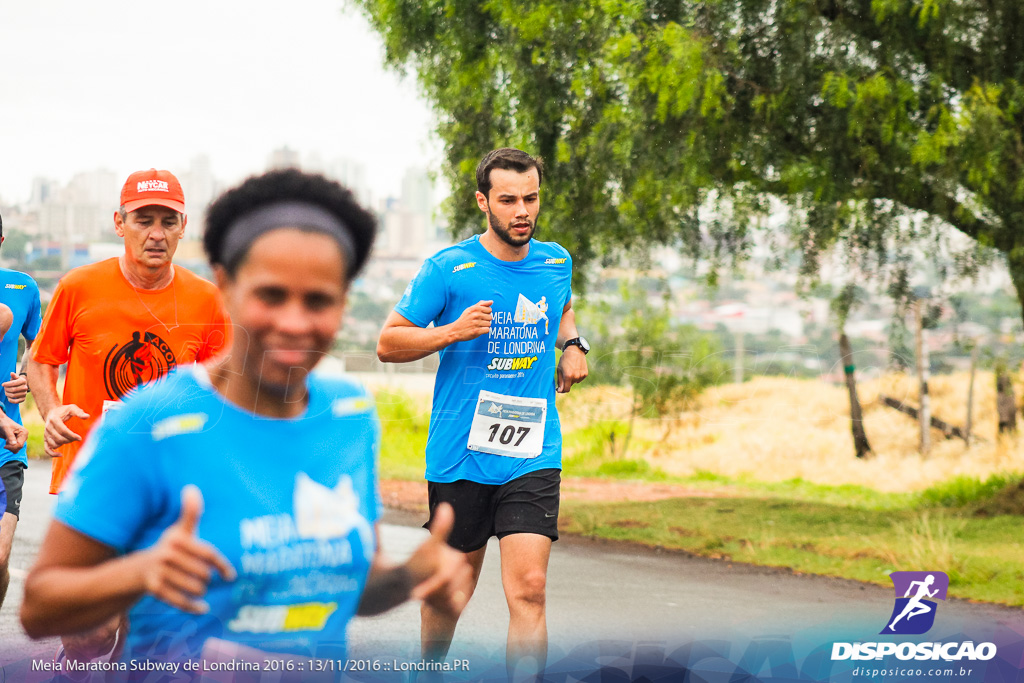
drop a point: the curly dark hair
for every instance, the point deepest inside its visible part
(284, 186)
(507, 159)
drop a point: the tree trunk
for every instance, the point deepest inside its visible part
(1015, 264)
(1006, 402)
(860, 439)
(923, 363)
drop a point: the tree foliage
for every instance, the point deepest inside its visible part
(879, 123)
(666, 364)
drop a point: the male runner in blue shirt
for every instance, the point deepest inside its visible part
(20, 295)
(500, 304)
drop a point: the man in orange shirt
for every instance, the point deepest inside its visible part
(120, 323)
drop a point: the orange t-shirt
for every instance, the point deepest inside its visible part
(114, 338)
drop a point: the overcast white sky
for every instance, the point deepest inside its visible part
(124, 85)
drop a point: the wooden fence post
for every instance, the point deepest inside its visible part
(970, 396)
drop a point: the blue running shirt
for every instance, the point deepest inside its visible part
(20, 293)
(478, 429)
(291, 503)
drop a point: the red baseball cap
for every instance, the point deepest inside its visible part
(146, 188)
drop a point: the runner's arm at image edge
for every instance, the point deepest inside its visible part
(67, 599)
(402, 341)
(79, 583)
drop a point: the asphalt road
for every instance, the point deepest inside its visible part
(610, 592)
(598, 592)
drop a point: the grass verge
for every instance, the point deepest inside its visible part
(862, 541)
(34, 423)
(404, 420)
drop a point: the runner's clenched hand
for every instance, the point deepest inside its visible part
(572, 369)
(16, 388)
(474, 321)
(15, 435)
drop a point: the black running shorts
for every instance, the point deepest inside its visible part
(12, 473)
(525, 505)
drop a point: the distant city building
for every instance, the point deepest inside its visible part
(43, 189)
(352, 175)
(410, 228)
(73, 222)
(283, 157)
(99, 188)
(418, 192)
(82, 211)
(200, 188)
(199, 185)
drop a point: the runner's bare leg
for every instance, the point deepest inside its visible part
(8, 524)
(524, 572)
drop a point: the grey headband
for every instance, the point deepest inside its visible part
(251, 226)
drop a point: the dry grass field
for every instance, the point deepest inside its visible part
(774, 429)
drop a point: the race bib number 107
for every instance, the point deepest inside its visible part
(508, 425)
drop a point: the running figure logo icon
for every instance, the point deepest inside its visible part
(145, 358)
(529, 313)
(914, 612)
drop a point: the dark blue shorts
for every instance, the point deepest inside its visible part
(12, 474)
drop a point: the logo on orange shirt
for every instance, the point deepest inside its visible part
(145, 358)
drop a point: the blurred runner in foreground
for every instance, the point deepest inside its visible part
(246, 488)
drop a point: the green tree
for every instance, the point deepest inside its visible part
(666, 365)
(881, 124)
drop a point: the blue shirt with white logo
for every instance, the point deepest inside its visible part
(291, 504)
(516, 359)
(20, 293)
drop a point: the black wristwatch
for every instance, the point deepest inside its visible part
(582, 343)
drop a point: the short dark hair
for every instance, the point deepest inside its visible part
(1, 226)
(289, 185)
(508, 159)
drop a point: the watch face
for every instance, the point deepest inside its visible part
(581, 342)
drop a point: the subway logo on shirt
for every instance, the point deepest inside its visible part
(513, 363)
(309, 616)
